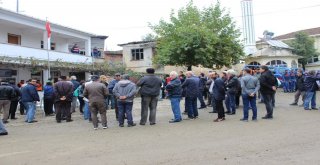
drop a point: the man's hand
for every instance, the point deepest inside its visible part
(274, 88)
(123, 97)
(252, 94)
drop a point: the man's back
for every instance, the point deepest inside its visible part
(191, 86)
(150, 85)
(6, 92)
(63, 88)
(95, 92)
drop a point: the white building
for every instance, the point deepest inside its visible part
(23, 48)
(248, 30)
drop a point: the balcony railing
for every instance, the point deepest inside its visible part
(17, 51)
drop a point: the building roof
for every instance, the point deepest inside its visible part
(9, 12)
(278, 44)
(311, 32)
(136, 42)
(117, 52)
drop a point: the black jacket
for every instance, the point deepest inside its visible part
(219, 89)
(6, 92)
(17, 93)
(267, 81)
(191, 86)
(310, 83)
(150, 85)
(300, 83)
(232, 85)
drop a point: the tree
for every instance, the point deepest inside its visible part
(149, 37)
(303, 45)
(194, 37)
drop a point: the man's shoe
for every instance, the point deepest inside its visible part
(185, 113)
(174, 121)
(70, 120)
(33, 121)
(315, 109)
(202, 107)
(226, 112)
(95, 128)
(188, 118)
(3, 133)
(245, 120)
(293, 104)
(142, 123)
(307, 109)
(132, 125)
(14, 118)
(152, 123)
(105, 127)
(5, 122)
(58, 121)
(231, 113)
(266, 117)
(121, 125)
(255, 120)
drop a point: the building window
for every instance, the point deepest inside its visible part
(137, 54)
(277, 63)
(14, 39)
(254, 63)
(53, 45)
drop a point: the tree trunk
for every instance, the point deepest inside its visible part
(189, 68)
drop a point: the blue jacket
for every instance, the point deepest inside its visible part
(219, 89)
(48, 92)
(286, 77)
(29, 93)
(191, 86)
(310, 83)
(174, 88)
(111, 85)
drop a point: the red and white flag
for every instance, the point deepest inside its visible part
(48, 28)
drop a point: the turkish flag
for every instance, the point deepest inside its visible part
(48, 29)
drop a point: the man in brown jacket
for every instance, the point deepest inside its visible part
(63, 93)
(97, 93)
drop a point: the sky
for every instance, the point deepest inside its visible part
(127, 20)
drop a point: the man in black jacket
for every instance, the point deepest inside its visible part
(150, 90)
(300, 88)
(267, 89)
(218, 96)
(14, 101)
(6, 94)
(63, 92)
(232, 87)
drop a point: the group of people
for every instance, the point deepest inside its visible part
(95, 96)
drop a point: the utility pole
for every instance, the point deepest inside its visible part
(17, 6)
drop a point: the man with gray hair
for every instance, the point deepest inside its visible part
(174, 93)
(76, 84)
(191, 86)
(124, 92)
(97, 93)
(232, 85)
(250, 85)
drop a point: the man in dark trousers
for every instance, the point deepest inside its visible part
(6, 94)
(218, 96)
(150, 89)
(14, 101)
(97, 93)
(300, 88)
(191, 86)
(113, 99)
(63, 91)
(267, 89)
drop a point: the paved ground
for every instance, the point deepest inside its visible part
(292, 137)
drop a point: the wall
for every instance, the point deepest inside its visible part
(118, 58)
(137, 65)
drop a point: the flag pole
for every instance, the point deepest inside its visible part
(48, 53)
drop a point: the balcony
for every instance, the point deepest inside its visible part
(17, 51)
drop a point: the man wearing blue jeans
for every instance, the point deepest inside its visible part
(311, 87)
(191, 86)
(250, 86)
(232, 88)
(29, 98)
(3, 130)
(174, 93)
(124, 91)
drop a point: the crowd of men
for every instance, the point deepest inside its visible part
(222, 91)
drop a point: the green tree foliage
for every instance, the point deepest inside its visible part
(149, 37)
(194, 37)
(303, 45)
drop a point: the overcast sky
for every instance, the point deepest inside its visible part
(127, 20)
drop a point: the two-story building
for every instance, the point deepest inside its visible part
(24, 53)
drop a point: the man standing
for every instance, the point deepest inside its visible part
(14, 101)
(250, 86)
(6, 94)
(232, 87)
(124, 91)
(300, 88)
(311, 86)
(63, 91)
(267, 89)
(76, 84)
(286, 81)
(150, 89)
(174, 94)
(191, 86)
(111, 85)
(210, 83)
(202, 85)
(219, 95)
(96, 93)
(29, 98)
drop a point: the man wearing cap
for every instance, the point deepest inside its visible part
(6, 94)
(96, 93)
(124, 91)
(111, 85)
(150, 89)
(63, 92)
